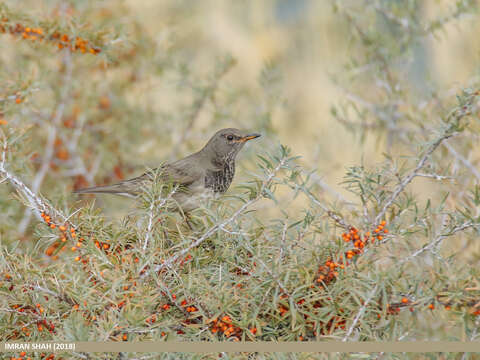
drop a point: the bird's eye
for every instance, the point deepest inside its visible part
(230, 137)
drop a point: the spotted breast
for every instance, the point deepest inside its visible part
(219, 181)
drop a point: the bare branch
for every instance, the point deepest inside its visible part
(414, 173)
(360, 314)
(36, 202)
(439, 239)
(49, 147)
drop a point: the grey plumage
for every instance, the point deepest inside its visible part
(206, 172)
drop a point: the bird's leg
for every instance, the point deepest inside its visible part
(165, 233)
(187, 216)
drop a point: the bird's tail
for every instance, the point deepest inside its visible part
(117, 189)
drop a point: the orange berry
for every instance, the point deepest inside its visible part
(383, 223)
(431, 306)
(377, 230)
(62, 228)
(74, 248)
(404, 300)
(77, 258)
(385, 231)
(18, 100)
(447, 307)
(379, 237)
(53, 226)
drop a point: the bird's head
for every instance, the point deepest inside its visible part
(226, 143)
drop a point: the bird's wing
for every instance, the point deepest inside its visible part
(178, 173)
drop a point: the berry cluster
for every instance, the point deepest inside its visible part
(224, 325)
(66, 232)
(60, 40)
(328, 271)
(37, 312)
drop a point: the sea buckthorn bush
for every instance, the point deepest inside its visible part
(93, 93)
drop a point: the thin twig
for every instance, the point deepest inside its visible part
(439, 239)
(274, 277)
(408, 179)
(151, 215)
(463, 160)
(359, 314)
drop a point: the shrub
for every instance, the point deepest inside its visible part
(282, 256)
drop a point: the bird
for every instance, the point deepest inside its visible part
(206, 173)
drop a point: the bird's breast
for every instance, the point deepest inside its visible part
(196, 196)
(219, 181)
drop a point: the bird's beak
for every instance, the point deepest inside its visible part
(248, 137)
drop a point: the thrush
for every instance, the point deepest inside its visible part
(207, 172)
